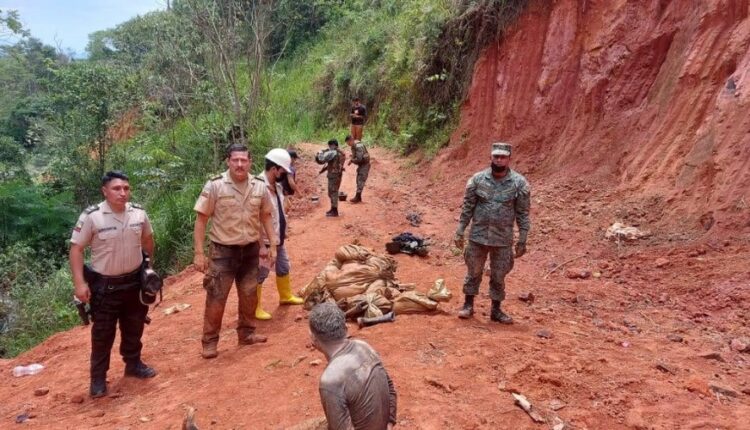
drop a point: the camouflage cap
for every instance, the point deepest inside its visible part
(501, 148)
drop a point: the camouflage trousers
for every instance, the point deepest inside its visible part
(334, 183)
(230, 264)
(362, 172)
(501, 263)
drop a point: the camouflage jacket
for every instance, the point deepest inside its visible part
(493, 206)
(334, 160)
(360, 156)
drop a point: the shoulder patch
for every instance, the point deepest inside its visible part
(216, 177)
(259, 177)
(90, 209)
(136, 206)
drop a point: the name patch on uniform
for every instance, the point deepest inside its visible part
(78, 227)
(102, 230)
(225, 197)
(135, 224)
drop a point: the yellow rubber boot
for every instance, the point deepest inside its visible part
(260, 314)
(284, 285)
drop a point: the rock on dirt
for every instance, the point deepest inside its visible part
(527, 297)
(577, 273)
(675, 337)
(718, 389)
(41, 391)
(544, 333)
(711, 355)
(77, 399)
(740, 344)
(316, 362)
(666, 368)
(661, 262)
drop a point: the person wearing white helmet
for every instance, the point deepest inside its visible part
(278, 164)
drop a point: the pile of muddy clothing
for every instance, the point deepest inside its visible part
(407, 243)
(364, 283)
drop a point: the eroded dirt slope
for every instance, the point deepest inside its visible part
(651, 96)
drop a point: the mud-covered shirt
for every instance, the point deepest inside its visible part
(235, 211)
(356, 391)
(115, 238)
(360, 156)
(493, 205)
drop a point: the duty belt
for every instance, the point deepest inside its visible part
(122, 280)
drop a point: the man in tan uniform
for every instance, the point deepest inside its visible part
(355, 390)
(239, 207)
(118, 232)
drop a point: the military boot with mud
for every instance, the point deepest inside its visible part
(333, 212)
(98, 387)
(497, 315)
(357, 198)
(140, 370)
(209, 351)
(468, 310)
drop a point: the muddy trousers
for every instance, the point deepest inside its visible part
(230, 264)
(501, 263)
(110, 306)
(363, 171)
(334, 183)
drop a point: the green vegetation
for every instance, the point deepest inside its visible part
(161, 96)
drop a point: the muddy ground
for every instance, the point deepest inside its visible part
(643, 341)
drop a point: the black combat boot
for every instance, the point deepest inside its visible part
(333, 212)
(98, 386)
(498, 315)
(357, 198)
(468, 309)
(140, 370)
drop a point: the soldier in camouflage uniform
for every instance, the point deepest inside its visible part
(494, 199)
(334, 160)
(361, 158)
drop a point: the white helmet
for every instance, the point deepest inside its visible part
(281, 157)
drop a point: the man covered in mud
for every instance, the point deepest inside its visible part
(355, 389)
(239, 206)
(333, 158)
(494, 199)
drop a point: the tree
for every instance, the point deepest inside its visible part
(10, 25)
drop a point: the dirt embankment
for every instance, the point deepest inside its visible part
(652, 97)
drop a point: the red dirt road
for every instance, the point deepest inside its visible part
(608, 332)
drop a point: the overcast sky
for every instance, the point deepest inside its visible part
(67, 23)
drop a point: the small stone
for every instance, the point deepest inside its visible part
(316, 362)
(625, 344)
(746, 391)
(527, 297)
(32, 415)
(298, 318)
(97, 414)
(711, 355)
(77, 399)
(21, 418)
(697, 385)
(544, 333)
(556, 404)
(144, 419)
(740, 344)
(666, 368)
(675, 337)
(718, 389)
(41, 391)
(577, 273)
(661, 262)
(596, 275)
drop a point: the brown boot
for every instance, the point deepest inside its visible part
(252, 339)
(468, 310)
(209, 351)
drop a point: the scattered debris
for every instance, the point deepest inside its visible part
(316, 362)
(661, 262)
(77, 399)
(298, 318)
(415, 218)
(524, 404)
(189, 422)
(675, 337)
(724, 391)
(562, 264)
(666, 368)
(544, 333)
(298, 360)
(144, 419)
(711, 356)
(409, 244)
(176, 308)
(21, 418)
(41, 391)
(435, 383)
(527, 297)
(556, 404)
(740, 344)
(273, 363)
(619, 231)
(578, 273)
